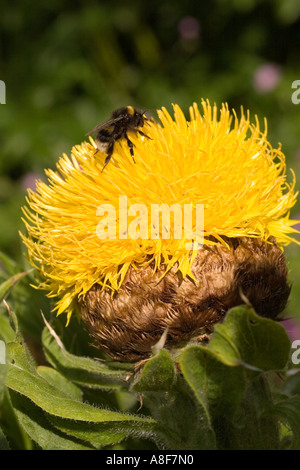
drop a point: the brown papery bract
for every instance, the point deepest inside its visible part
(128, 324)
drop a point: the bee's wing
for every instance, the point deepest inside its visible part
(103, 125)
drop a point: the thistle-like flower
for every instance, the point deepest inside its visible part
(98, 246)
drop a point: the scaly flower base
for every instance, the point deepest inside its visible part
(129, 323)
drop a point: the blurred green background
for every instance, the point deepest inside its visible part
(67, 65)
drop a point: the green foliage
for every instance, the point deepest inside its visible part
(226, 395)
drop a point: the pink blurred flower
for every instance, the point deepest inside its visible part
(296, 217)
(292, 326)
(298, 155)
(189, 27)
(29, 181)
(267, 77)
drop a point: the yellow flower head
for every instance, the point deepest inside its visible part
(218, 160)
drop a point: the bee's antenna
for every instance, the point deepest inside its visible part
(147, 118)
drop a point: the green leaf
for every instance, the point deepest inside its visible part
(58, 381)
(249, 339)
(182, 423)
(291, 385)
(3, 373)
(22, 378)
(3, 441)
(40, 430)
(158, 374)
(246, 340)
(81, 370)
(250, 428)
(222, 390)
(222, 376)
(7, 285)
(16, 436)
(28, 303)
(7, 333)
(172, 405)
(288, 411)
(102, 434)
(11, 266)
(217, 387)
(50, 410)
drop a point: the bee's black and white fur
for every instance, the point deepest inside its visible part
(122, 121)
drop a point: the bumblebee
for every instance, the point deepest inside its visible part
(122, 121)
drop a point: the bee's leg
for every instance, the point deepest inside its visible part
(130, 145)
(109, 154)
(106, 162)
(143, 134)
